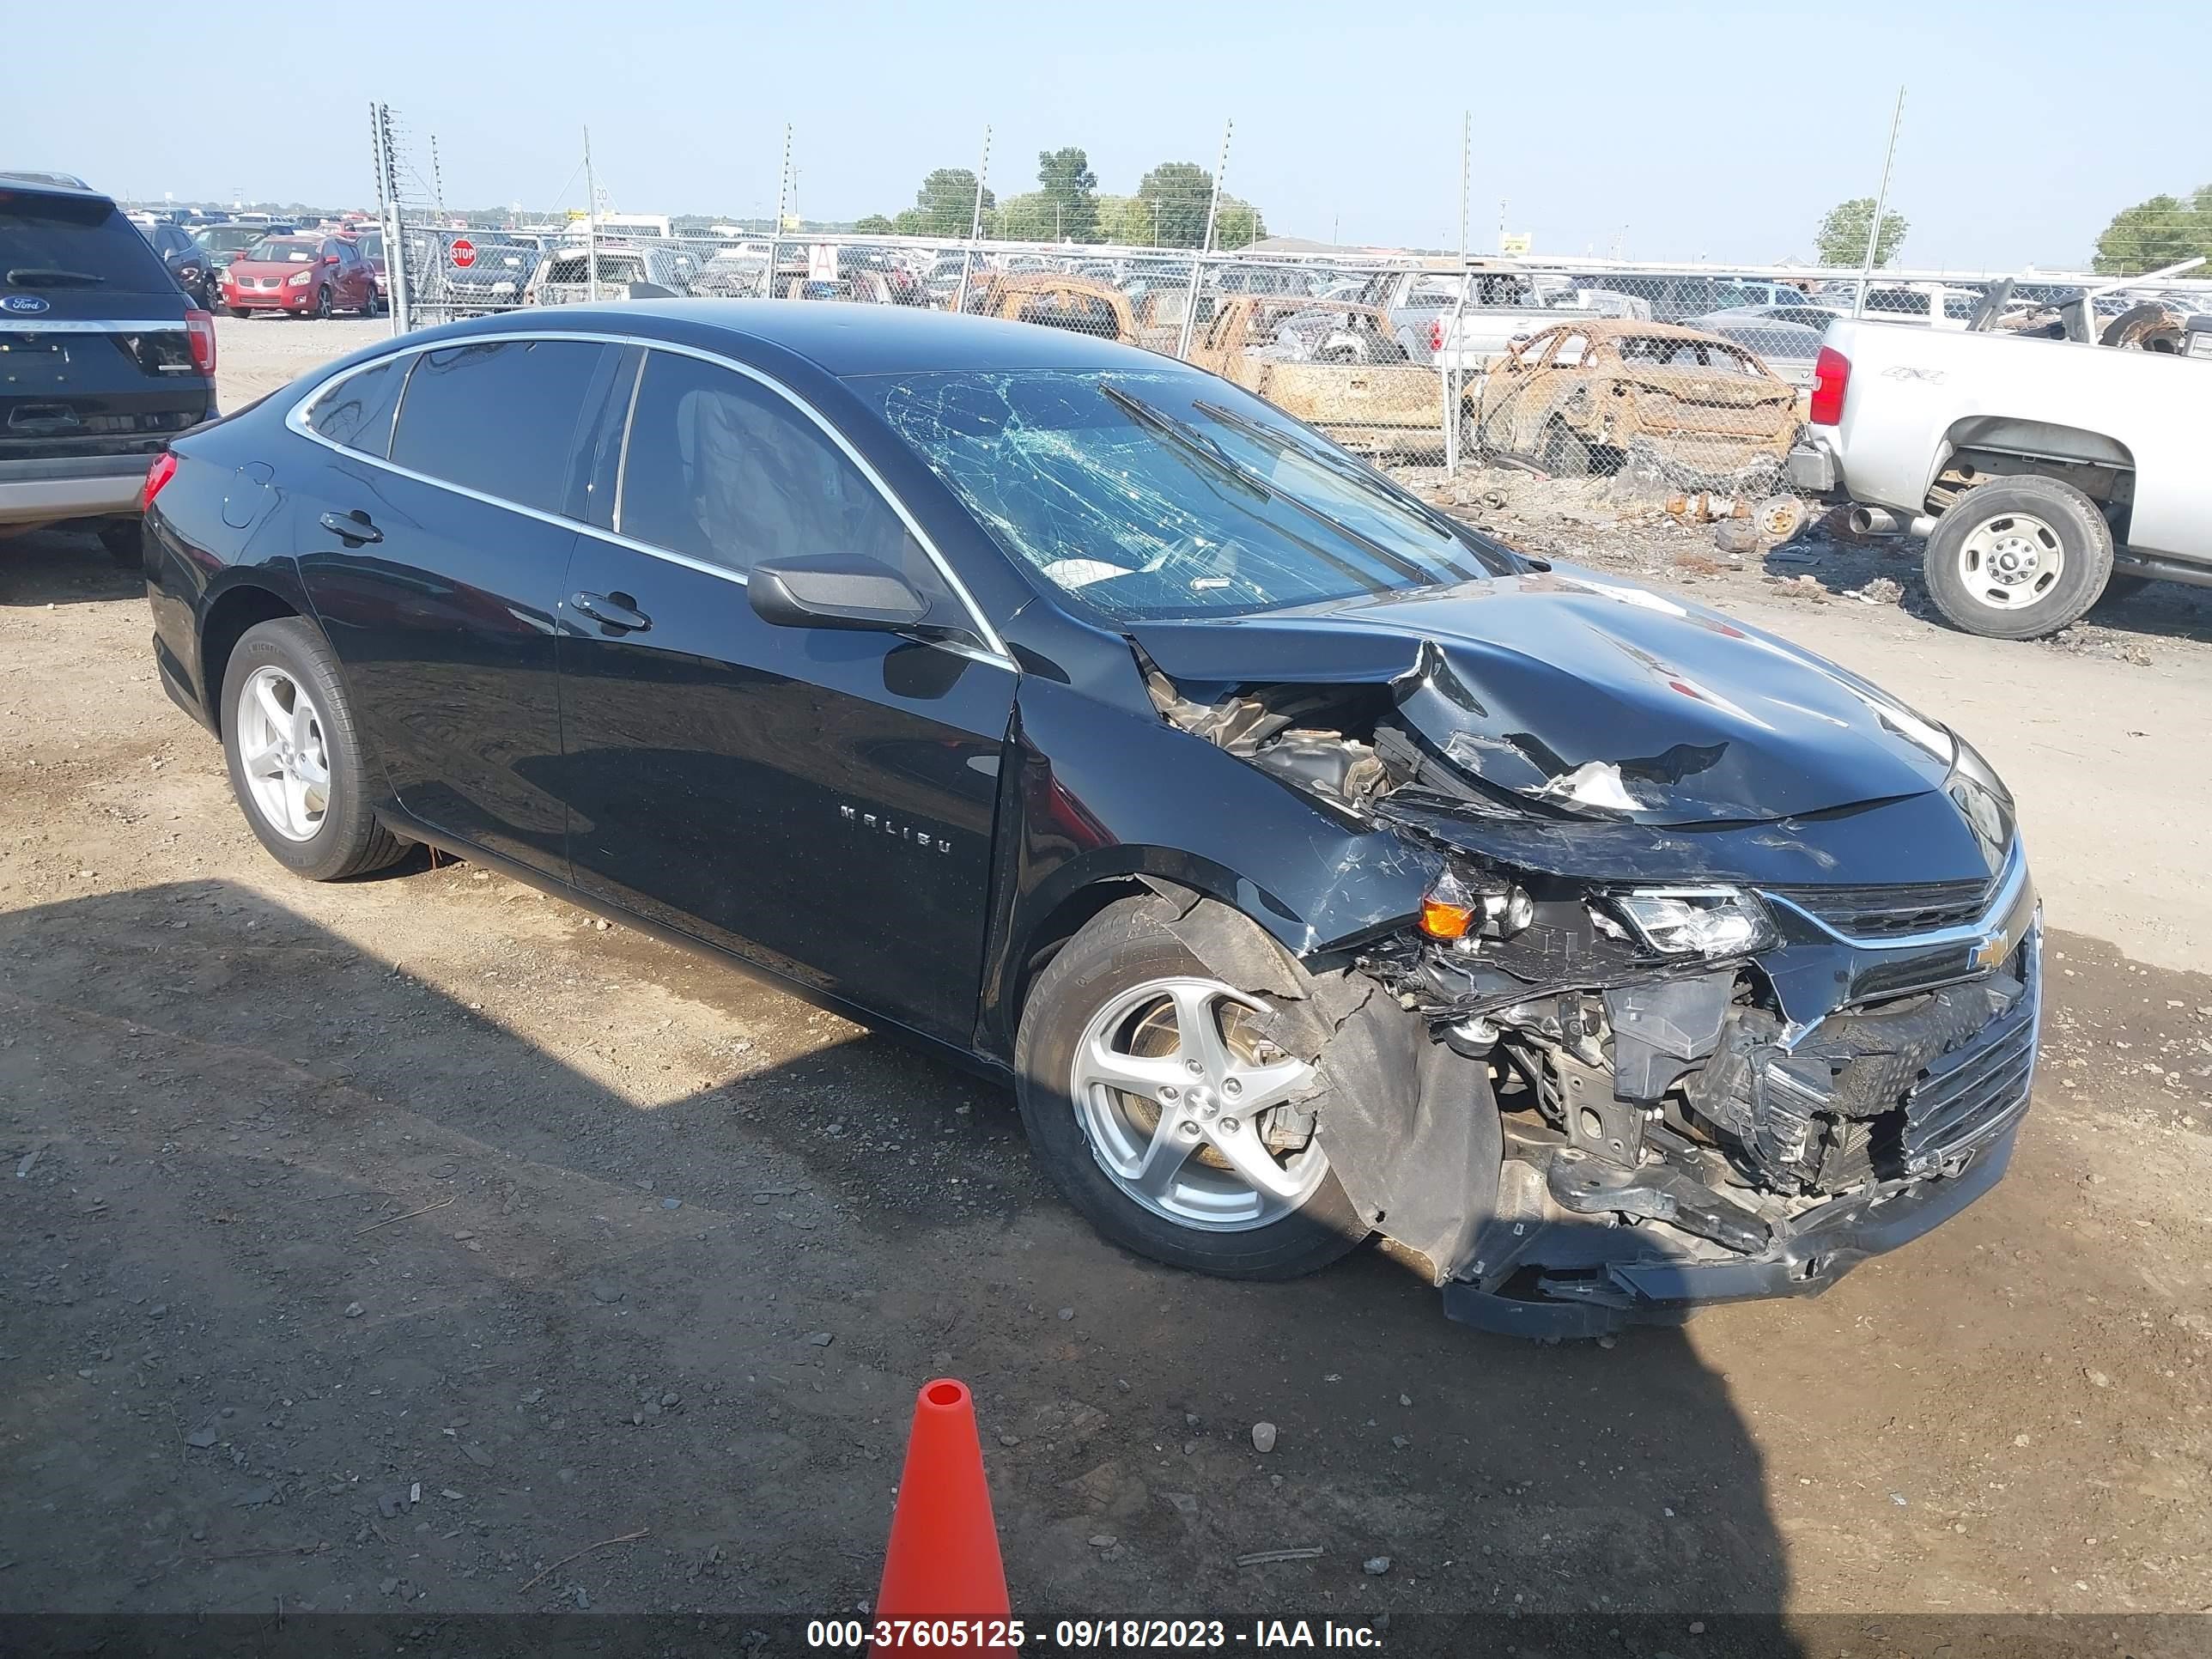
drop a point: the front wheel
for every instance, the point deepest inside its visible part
(322, 305)
(295, 755)
(1166, 1118)
(2018, 558)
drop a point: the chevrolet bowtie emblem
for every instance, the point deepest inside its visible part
(1992, 951)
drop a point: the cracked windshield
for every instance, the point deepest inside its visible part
(1157, 496)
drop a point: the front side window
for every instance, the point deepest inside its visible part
(721, 468)
(1152, 496)
(502, 417)
(357, 412)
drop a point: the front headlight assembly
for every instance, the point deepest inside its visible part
(1697, 921)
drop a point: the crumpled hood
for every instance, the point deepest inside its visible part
(1590, 696)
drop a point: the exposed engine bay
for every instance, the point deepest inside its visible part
(1706, 1085)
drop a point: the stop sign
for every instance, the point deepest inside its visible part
(464, 252)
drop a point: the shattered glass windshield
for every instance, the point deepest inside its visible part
(1154, 496)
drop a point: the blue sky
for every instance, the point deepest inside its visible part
(1674, 130)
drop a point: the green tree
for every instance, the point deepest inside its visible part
(945, 203)
(1071, 187)
(1028, 217)
(1238, 223)
(2153, 234)
(1176, 195)
(1125, 221)
(1842, 238)
(874, 225)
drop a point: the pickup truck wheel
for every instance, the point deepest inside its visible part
(295, 755)
(1160, 1113)
(2018, 558)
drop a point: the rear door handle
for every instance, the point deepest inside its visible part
(615, 609)
(352, 528)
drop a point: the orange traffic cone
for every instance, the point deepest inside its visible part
(943, 1560)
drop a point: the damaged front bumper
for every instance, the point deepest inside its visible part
(1583, 1242)
(1596, 1280)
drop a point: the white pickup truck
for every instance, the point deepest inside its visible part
(2042, 473)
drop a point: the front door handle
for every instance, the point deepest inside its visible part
(614, 610)
(352, 528)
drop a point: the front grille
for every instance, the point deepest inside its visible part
(1963, 1099)
(1891, 912)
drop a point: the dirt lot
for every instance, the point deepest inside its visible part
(379, 1246)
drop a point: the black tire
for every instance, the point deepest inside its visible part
(323, 303)
(1119, 949)
(350, 841)
(2082, 539)
(125, 540)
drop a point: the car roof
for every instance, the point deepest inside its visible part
(60, 183)
(842, 340)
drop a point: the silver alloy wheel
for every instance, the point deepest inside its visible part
(1178, 1095)
(281, 751)
(2009, 562)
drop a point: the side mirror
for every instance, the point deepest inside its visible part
(329, 258)
(833, 591)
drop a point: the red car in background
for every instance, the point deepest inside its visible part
(304, 276)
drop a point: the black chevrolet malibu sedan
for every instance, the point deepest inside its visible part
(1312, 865)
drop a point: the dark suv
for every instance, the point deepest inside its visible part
(103, 359)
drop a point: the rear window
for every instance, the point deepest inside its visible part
(357, 412)
(49, 242)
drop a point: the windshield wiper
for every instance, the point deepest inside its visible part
(1200, 445)
(49, 276)
(1349, 471)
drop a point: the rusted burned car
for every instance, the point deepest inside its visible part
(1590, 397)
(1335, 367)
(1082, 305)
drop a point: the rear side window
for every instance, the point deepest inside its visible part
(54, 242)
(357, 412)
(503, 418)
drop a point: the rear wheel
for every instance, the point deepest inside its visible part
(1563, 452)
(1166, 1118)
(295, 755)
(2018, 558)
(125, 540)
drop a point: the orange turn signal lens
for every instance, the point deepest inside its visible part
(1442, 919)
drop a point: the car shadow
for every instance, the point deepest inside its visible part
(57, 566)
(1843, 569)
(346, 1237)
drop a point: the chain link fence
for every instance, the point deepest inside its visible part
(1682, 378)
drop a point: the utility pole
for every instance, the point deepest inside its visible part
(1880, 202)
(1198, 261)
(437, 181)
(591, 224)
(975, 226)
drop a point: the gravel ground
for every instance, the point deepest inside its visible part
(378, 1246)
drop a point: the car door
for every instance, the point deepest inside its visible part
(434, 524)
(820, 800)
